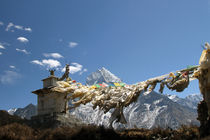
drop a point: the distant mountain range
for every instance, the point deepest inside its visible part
(191, 101)
(26, 112)
(151, 110)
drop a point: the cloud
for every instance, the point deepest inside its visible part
(12, 67)
(23, 51)
(73, 44)
(0, 53)
(37, 62)
(22, 39)
(4, 44)
(28, 29)
(84, 70)
(11, 27)
(49, 63)
(54, 55)
(9, 77)
(74, 68)
(18, 27)
(1, 46)
(1, 23)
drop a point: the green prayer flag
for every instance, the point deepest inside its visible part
(122, 84)
(97, 85)
(191, 66)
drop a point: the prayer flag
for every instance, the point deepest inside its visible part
(97, 85)
(117, 84)
(111, 85)
(102, 85)
(93, 87)
(122, 84)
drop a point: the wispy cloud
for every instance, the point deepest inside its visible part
(4, 44)
(9, 77)
(53, 55)
(37, 62)
(48, 63)
(12, 67)
(11, 27)
(28, 29)
(73, 44)
(74, 68)
(1, 46)
(23, 39)
(0, 53)
(23, 51)
(84, 70)
(18, 27)
(1, 23)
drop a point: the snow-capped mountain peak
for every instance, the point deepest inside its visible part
(194, 97)
(174, 98)
(102, 76)
(12, 111)
(26, 112)
(191, 101)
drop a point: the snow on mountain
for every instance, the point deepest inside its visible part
(26, 112)
(102, 76)
(194, 97)
(151, 110)
(174, 98)
(12, 111)
(191, 101)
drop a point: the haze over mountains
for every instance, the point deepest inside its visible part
(151, 110)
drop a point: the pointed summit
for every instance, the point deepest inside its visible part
(102, 76)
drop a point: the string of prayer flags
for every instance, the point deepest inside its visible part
(108, 85)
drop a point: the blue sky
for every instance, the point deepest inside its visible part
(134, 39)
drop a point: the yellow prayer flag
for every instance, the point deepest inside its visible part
(93, 87)
(117, 84)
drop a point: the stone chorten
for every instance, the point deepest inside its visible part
(52, 106)
(50, 102)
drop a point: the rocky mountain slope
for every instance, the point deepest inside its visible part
(151, 110)
(6, 118)
(191, 101)
(15, 128)
(26, 112)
